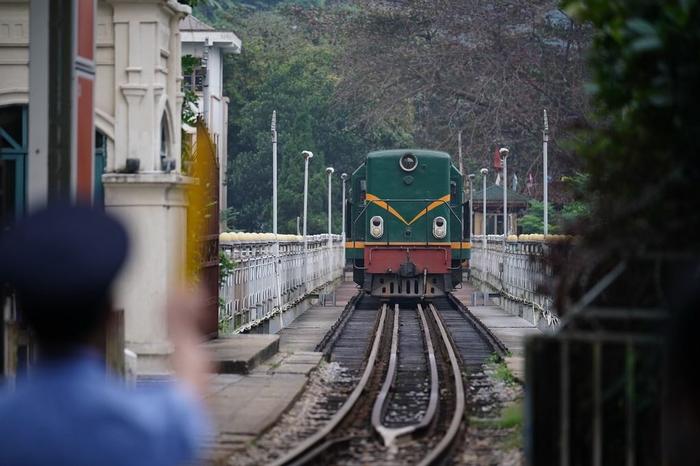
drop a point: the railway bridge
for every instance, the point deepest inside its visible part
(513, 273)
(587, 374)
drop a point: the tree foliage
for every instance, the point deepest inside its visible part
(533, 220)
(642, 156)
(485, 68)
(282, 68)
(350, 76)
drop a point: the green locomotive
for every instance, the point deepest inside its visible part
(408, 230)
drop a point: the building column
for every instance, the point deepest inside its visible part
(38, 155)
(150, 202)
(153, 207)
(223, 164)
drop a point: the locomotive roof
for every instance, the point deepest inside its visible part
(417, 152)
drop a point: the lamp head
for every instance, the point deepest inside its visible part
(484, 171)
(329, 171)
(504, 152)
(471, 176)
(307, 154)
(344, 176)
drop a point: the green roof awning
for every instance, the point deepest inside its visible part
(494, 193)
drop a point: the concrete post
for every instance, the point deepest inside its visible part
(307, 156)
(484, 172)
(273, 128)
(471, 204)
(545, 201)
(504, 156)
(343, 177)
(329, 172)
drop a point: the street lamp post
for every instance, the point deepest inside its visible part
(471, 205)
(329, 172)
(504, 156)
(307, 156)
(545, 201)
(273, 128)
(343, 177)
(484, 172)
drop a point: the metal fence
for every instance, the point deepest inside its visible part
(516, 270)
(595, 390)
(249, 292)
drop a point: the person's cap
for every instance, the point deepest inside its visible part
(63, 251)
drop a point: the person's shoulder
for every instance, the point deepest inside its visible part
(166, 412)
(161, 423)
(13, 403)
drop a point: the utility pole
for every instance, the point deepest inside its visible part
(545, 200)
(273, 128)
(504, 156)
(471, 206)
(307, 156)
(330, 171)
(344, 177)
(461, 162)
(484, 172)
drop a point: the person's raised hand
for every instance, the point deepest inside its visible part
(185, 314)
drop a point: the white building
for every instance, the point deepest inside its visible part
(208, 46)
(135, 65)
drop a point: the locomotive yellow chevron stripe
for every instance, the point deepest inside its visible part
(433, 205)
(385, 205)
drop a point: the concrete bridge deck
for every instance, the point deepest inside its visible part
(511, 330)
(244, 406)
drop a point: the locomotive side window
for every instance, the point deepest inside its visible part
(453, 193)
(363, 191)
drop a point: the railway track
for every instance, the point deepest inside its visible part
(408, 404)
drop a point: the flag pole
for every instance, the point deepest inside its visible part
(273, 128)
(545, 140)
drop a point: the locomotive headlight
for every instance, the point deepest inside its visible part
(376, 226)
(439, 227)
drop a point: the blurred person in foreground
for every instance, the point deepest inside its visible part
(61, 263)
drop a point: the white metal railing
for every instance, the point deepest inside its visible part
(249, 293)
(517, 271)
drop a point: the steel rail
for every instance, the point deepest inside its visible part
(458, 413)
(333, 422)
(390, 434)
(496, 345)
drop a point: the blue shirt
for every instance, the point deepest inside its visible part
(70, 412)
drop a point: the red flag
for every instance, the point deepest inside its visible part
(497, 164)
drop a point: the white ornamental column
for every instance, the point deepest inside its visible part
(151, 202)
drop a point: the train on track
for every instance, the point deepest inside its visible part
(408, 227)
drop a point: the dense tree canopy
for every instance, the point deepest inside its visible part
(283, 68)
(351, 76)
(642, 157)
(485, 68)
